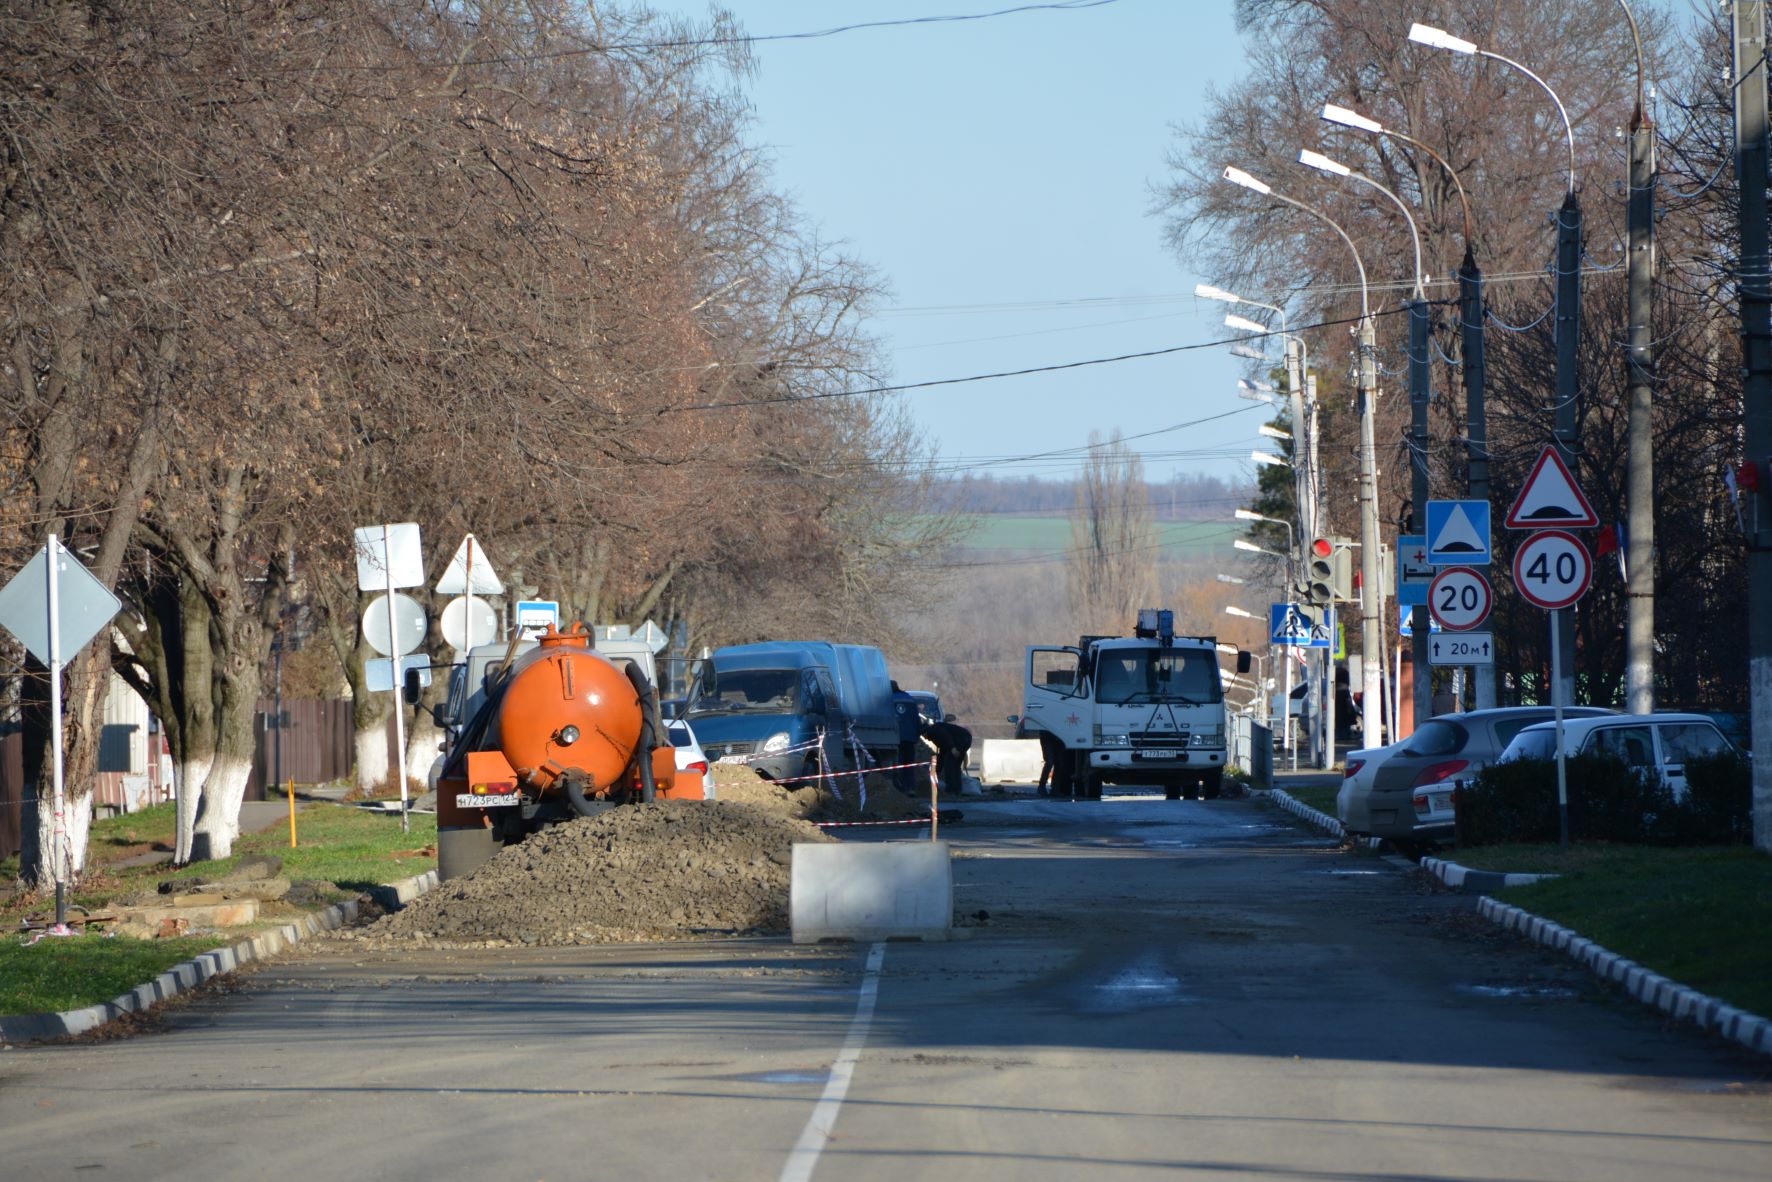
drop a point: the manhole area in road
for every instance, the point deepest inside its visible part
(783, 1077)
(1142, 985)
(1519, 990)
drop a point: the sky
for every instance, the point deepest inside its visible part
(997, 175)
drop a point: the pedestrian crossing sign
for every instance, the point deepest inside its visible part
(1299, 626)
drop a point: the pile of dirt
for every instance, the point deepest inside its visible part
(660, 871)
(838, 800)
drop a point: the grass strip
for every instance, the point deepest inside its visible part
(1322, 799)
(66, 973)
(1696, 914)
(351, 848)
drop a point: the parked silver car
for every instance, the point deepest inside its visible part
(1398, 801)
(1659, 743)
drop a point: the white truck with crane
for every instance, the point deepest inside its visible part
(1141, 709)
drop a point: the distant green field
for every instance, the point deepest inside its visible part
(1176, 539)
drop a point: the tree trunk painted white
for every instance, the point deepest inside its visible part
(372, 756)
(422, 743)
(193, 773)
(77, 809)
(222, 795)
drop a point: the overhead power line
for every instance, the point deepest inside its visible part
(1008, 373)
(738, 39)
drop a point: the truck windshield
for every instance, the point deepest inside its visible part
(738, 691)
(1176, 675)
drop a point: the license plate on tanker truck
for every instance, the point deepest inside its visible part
(464, 800)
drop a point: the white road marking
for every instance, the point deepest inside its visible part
(803, 1158)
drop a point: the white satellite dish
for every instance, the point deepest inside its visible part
(409, 624)
(456, 617)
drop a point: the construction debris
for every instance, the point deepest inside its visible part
(672, 869)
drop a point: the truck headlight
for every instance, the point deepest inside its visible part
(1102, 740)
(776, 742)
(1209, 738)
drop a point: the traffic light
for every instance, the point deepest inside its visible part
(1320, 577)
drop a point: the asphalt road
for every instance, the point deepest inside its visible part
(1149, 988)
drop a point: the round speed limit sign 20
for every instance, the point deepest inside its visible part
(1459, 598)
(1552, 569)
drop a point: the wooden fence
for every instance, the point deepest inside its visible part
(319, 746)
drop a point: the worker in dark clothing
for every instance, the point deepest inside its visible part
(951, 743)
(909, 749)
(1051, 751)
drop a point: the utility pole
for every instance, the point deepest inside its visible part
(1756, 340)
(1420, 393)
(1470, 311)
(1639, 366)
(1371, 605)
(1568, 391)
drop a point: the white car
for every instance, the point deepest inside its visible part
(1356, 776)
(692, 761)
(1659, 743)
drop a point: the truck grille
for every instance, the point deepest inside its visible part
(1158, 738)
(720, 750)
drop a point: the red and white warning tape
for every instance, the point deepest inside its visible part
(849, 824)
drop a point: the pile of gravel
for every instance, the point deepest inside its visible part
(667, 870)
(881, 801)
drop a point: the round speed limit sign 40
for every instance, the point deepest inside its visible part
(1552, 569)
(1459, 598)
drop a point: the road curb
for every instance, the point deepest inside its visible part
(1314, 817)
(186, 975)
(1681, 1002)
(1477, 882)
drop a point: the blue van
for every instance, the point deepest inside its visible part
(767, 705)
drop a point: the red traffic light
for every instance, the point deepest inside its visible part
(1322, 548)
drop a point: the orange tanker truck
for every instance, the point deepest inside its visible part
(544, 731)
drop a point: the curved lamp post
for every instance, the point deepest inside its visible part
(1472, 365)
(1371, 594)
(1568, 313)
(1420, 395)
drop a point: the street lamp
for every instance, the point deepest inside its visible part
(1568, 309)
(1472, 367)
(1305, 492)
(1269, 460)
(1371, 638)
(1420, 395)
(1273, 432)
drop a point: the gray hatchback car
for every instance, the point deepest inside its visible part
(1452, 746)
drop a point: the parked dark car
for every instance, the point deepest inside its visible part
(1396, 803)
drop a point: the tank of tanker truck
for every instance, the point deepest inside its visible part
(544, 731)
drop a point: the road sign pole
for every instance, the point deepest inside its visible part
(1420, 393)
(58, 853)
(387, 550)
(1291, 740)
(1557, 704)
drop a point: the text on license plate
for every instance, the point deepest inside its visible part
(464, 800)
(732, 759)
(1160, 753)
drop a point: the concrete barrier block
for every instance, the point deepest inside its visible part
(1010, 761)
(871, 891)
